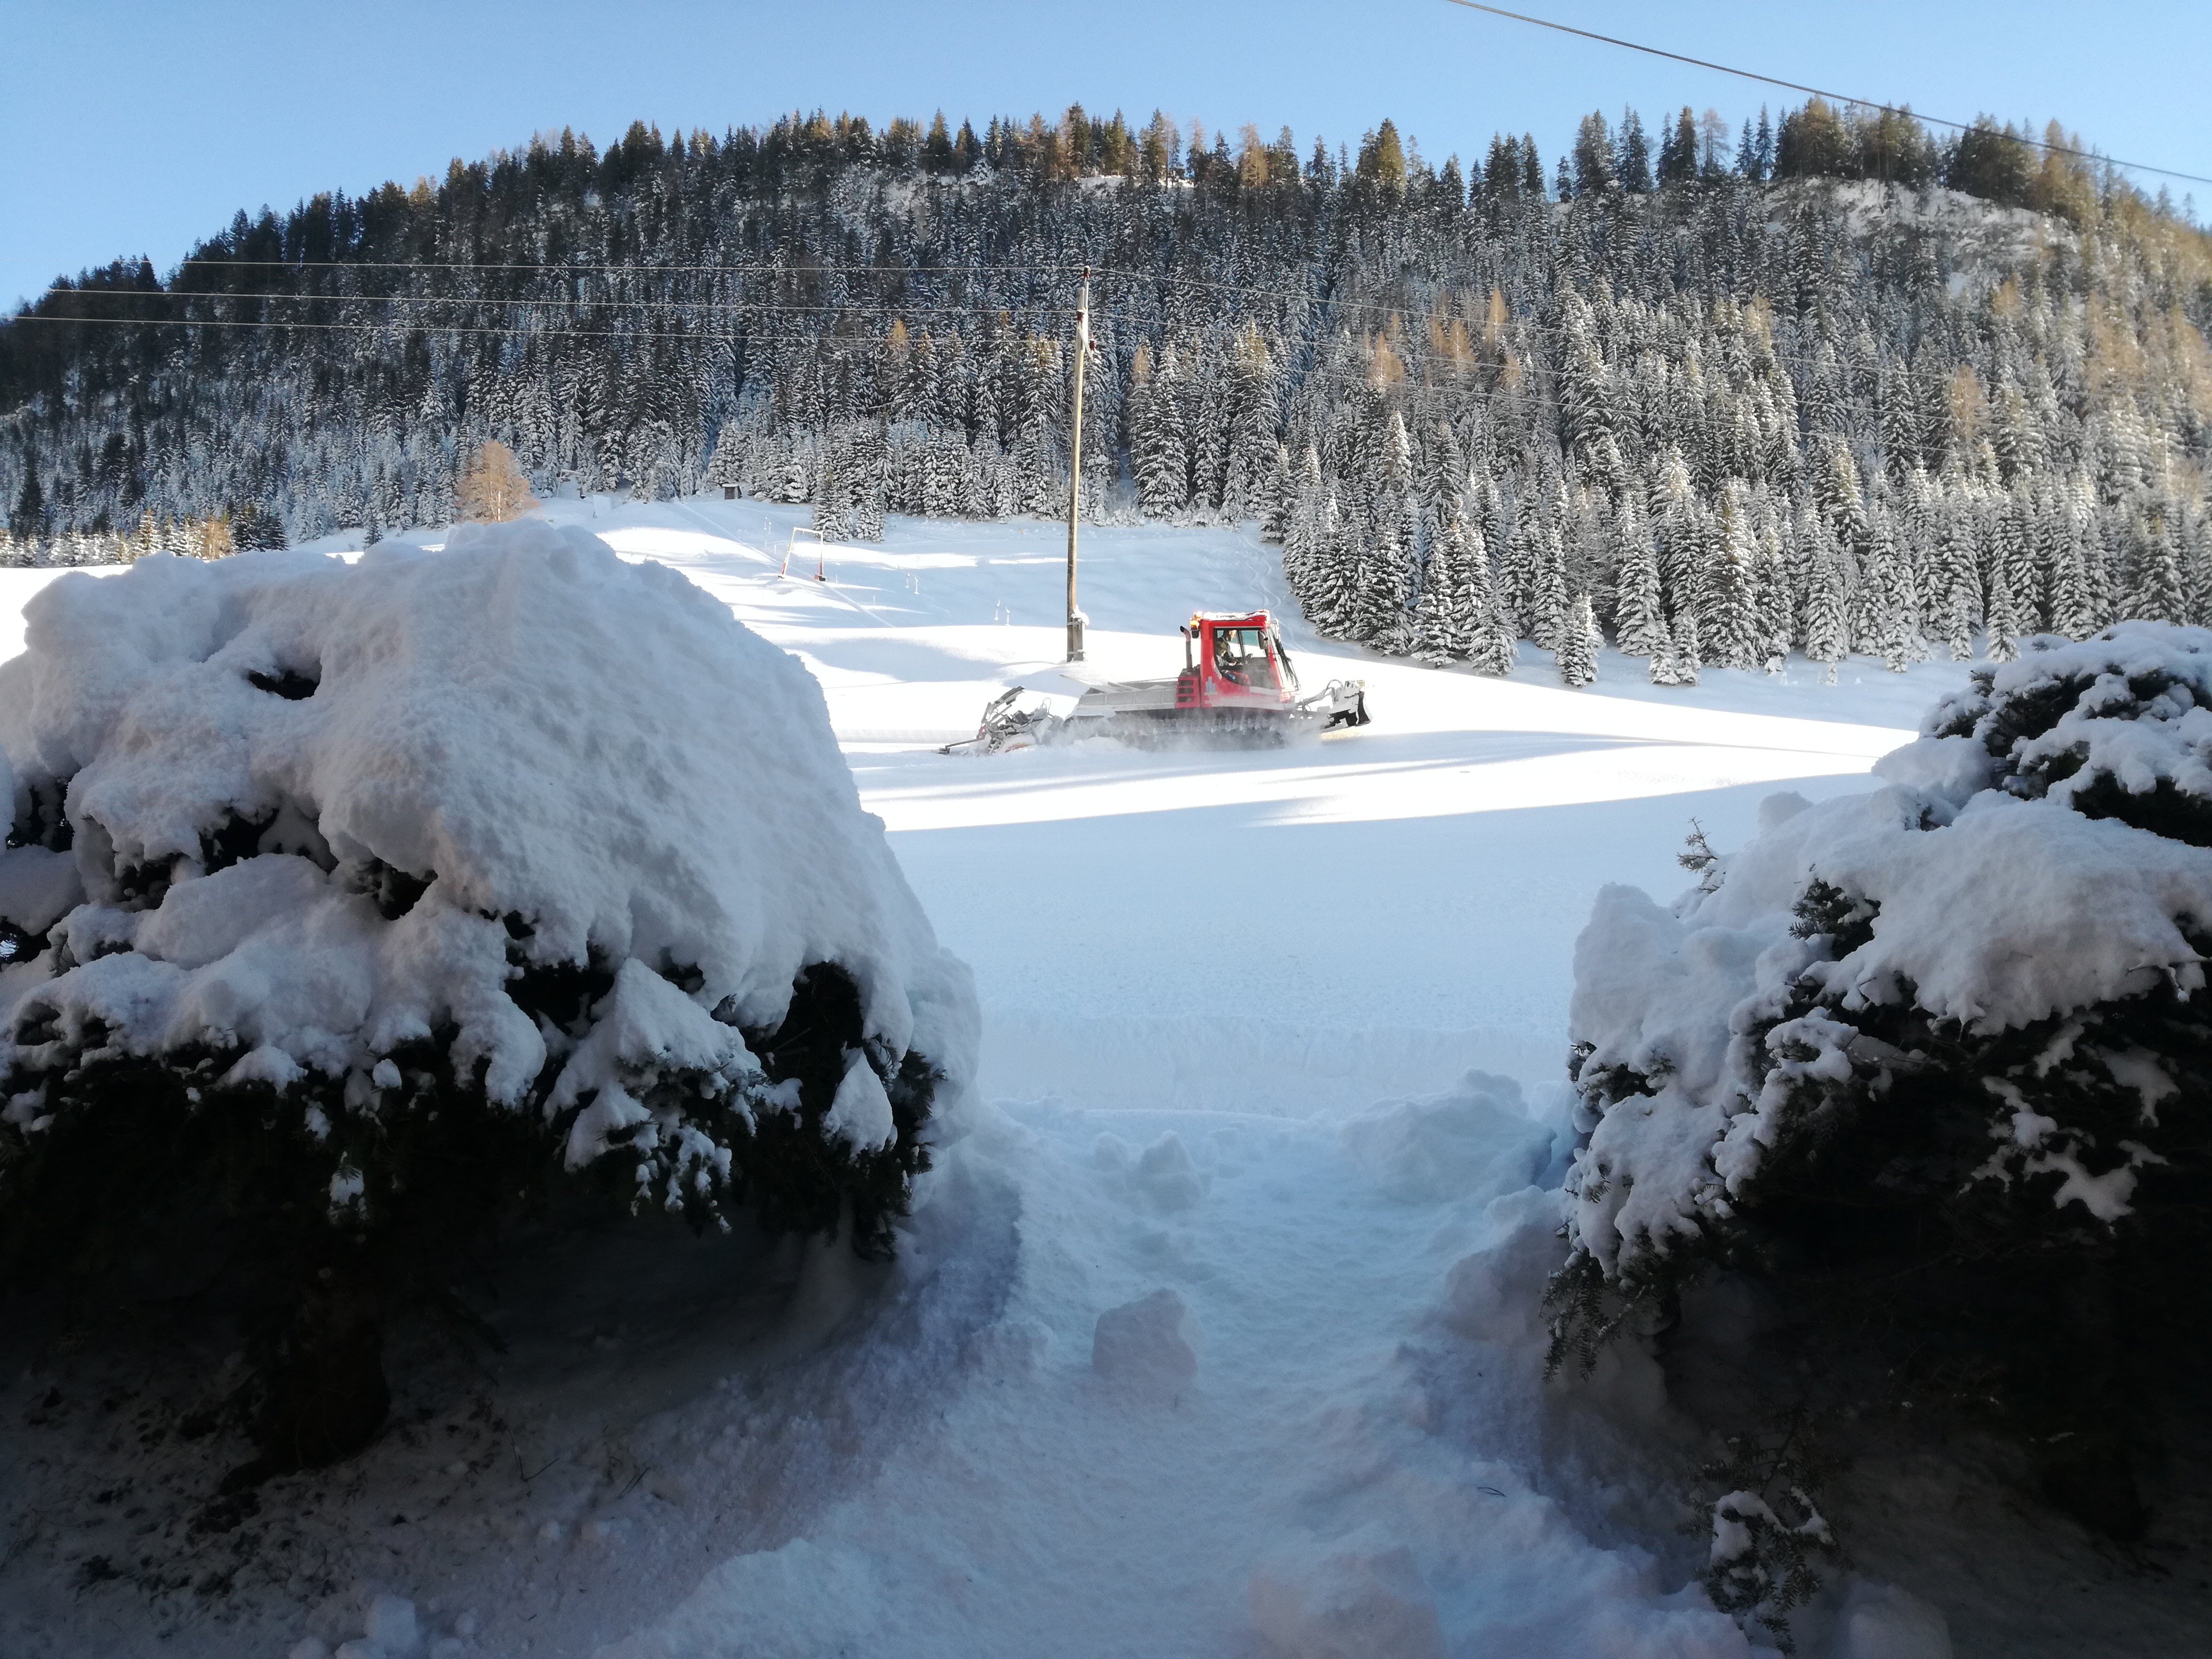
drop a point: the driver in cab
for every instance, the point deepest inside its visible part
(1229, 661)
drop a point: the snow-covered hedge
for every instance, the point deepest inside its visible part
(438, 876)
(1957, 1027)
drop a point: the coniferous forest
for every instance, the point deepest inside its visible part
(1832, 384)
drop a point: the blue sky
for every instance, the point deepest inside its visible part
(130, 127)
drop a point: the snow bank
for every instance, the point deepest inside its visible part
(2032, 860)
(299, 814)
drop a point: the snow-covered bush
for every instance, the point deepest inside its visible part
(351, 911)
(1934, 1061)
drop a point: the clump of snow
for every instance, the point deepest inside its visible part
(315, 813)
(393, 1627)
(1473, 1141)
(2002, 879)
(1360, 1597)
(861, 1112)
(1149, 1345)
(1166, 1175)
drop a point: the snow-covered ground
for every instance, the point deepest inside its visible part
(1230, 999)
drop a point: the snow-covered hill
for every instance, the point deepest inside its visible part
(1214, 1334)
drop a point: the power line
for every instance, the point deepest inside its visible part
(1447, 287)
(494, 301)
(1520, 329)
(1519, 324)
(1816, 92)
(732, 270)
(398, 326)
(1344, 376)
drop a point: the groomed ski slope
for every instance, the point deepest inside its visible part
(1231, 1000)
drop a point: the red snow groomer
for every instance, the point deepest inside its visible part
(1237, 683)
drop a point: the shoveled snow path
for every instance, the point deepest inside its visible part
(1056, 1511)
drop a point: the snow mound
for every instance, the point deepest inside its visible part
(2034, 858)
(1166, 1175)
(1148, 1346)
(1474, 1141)
(560, 812)
(1495, 1294)
(1360, 1598)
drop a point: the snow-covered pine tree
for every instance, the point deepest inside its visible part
(1669, 499)
(1737, 636)
(1279, 496)
(2020, 540)
(1579, 640)
(1467, 604)
(1435, 641)
(2160, 587)
(725, 468)
(1516, 566)
(1207, 398)
(1497, 641)
(2002, 635)
(1689, 652)
(334, 1179)
(2072, 611)
(1546, 615)
(1303, 534)
(1777, 594)
(1826, 609)
(1444, 475)
(1989, 1262)
(1039, 488)
(1399, 540)
(832, 493)
(943, 474)
(999, 497)
(1159, 451)
(1958, 582)
(1252, 450)
(871, 484)
(1585, 407)
(1897, 630)
(1336, 566)
(1639, 609)
(1041, 466)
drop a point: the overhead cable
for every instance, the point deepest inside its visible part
(1817, 92)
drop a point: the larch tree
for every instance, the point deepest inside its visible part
(492, 488)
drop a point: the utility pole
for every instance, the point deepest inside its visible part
(1075, 466)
